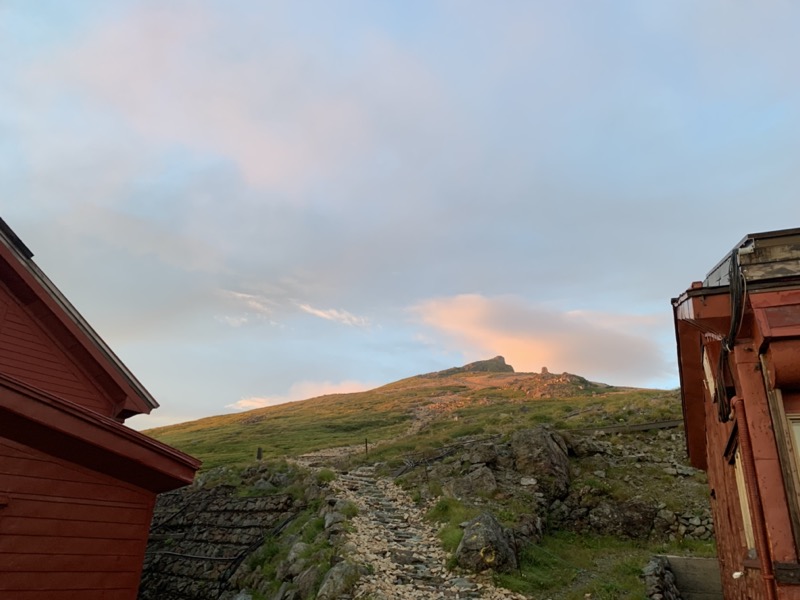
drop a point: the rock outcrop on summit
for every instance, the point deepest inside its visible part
(492, 365)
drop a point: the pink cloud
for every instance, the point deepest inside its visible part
(279, 111)
(615, 348)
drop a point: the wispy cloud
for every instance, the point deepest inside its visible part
(232, 320)
(253, 302)
(339, 316)
(302, 390)
(250, 308)
(616, 348)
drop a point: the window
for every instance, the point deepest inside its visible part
(744, 501)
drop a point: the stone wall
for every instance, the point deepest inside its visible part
(659, 580)
(200, 537)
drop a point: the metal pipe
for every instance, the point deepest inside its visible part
(756, 508)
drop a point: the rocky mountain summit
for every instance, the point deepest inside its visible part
(492, 365)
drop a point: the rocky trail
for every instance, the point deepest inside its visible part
(399, 549)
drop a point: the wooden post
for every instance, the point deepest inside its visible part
(366, 447)
(259, 453)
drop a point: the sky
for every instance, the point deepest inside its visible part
(256, 202)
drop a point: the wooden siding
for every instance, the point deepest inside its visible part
(28, 353)
(67, 532)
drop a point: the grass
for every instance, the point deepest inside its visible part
(325, 475)
(568, 566)
(450, 513)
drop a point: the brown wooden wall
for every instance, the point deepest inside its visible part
(28, 353)
(68, 533)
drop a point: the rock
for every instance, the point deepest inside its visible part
(493, 365)
(630, 519)
(659, 580)
(483, 453)
(263, 485)
(486, 545)
(293, 564)
(666, 515)
(286, 592)
(296, 551)
(333, 518)
(581, 446)
(530, 527)
(306, 581)
(461, 584)
(542, 453)
(479, 480)
(528, 481)
(338, 581)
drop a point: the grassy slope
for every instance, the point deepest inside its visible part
(451, 406)
(423, 413)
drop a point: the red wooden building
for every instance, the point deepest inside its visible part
(77, 487)
(738, 335)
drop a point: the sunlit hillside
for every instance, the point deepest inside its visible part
(419, 412)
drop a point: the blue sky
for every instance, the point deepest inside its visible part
(256, 202)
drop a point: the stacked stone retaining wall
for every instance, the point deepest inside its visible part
(199, 538)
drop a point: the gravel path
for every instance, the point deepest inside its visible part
(400, 548)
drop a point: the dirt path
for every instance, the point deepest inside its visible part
(400, 549)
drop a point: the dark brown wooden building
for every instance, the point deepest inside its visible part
(77, 487)
(738, 335)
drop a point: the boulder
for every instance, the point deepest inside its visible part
(582, 446)
(333, 518)
(486, 545)
(483, 453)
(338, 581)
(306, 581)
(542, 453)
(479, 481)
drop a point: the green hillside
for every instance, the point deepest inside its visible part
(421, 432)
(417, 413)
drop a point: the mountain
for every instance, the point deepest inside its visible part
(424, 410)
(587, 480)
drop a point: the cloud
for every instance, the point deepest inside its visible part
(140, 236)
(339, 316)
(616, 348)
(302, 390)
(285, 111)
(232, 320)
(251, 308)
(253, 302)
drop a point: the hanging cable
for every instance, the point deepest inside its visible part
(738, 300)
